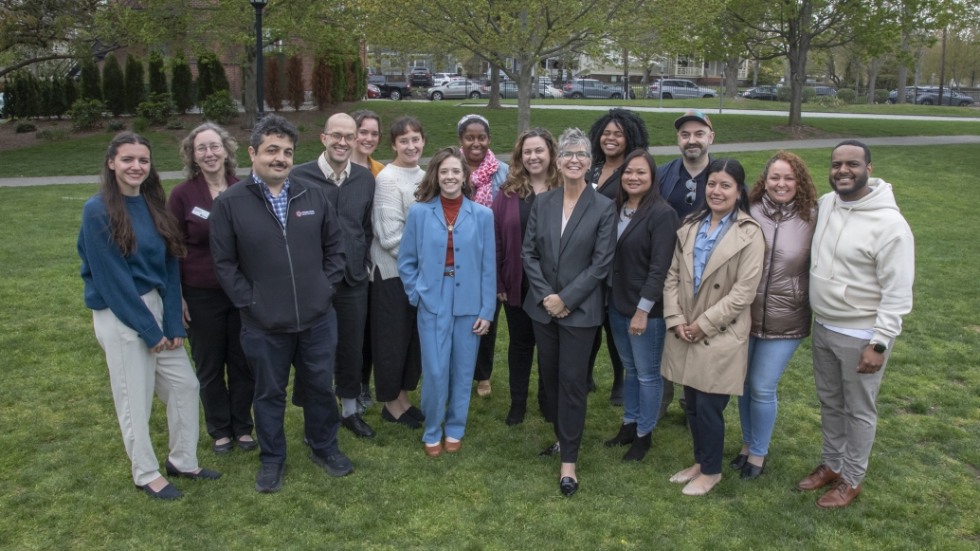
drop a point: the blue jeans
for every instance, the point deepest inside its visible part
(757, 404)
(642, 384)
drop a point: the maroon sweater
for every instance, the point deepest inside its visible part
(190, 202)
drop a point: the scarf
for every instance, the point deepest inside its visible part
(482, 179)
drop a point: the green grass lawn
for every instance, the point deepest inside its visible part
(83, 155)
(65, 480)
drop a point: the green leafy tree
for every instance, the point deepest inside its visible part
(113, 86)
(295, 87)
(38, 31)
(272, 93)
(71, 91)
(322, 83)
(157, 75)
(339, 72)
(205, 77)
(58, 104)
(218, 75)
(91, 81)
(134, 83)
(182, 85)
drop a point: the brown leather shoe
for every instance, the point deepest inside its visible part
(840, 496)
(434, 450)
(820, 477)
(453, 447)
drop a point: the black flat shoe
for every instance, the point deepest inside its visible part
(751, 472)
(568, 486)
(551, 450)
(167, 493)
(516, 414)
(203, 474)
(406, 419)
(221, 449)
(416, 413)
(740, 461)
(246, 445)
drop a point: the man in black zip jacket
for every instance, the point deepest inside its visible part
(278, 255)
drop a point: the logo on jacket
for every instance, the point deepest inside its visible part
(302, 213)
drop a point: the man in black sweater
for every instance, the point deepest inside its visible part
(350, 188)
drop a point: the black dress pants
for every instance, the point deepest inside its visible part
(706, 418)
(394, 339)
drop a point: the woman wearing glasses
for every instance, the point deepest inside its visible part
(487, 174)
(567, 251)
(212, 320)
(447, 267)
(709, 289)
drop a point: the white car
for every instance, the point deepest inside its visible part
(442, 79)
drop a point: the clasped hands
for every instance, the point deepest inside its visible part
(555, 306)
(689, 333)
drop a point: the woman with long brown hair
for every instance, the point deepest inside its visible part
(129, 245)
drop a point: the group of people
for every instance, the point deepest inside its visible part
(343, 263)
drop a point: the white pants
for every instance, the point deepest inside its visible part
(134, 372)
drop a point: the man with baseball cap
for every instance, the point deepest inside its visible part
(682, 183)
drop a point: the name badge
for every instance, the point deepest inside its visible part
(200, 213)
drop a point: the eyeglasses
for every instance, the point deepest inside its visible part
(580, 155)
(692, 193)
(337, 136)
(213, 148)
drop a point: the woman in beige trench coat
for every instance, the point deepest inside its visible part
(707, 297)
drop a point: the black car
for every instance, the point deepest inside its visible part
(421, 77)
(929, 95)
(395, 87)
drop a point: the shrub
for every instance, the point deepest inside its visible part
(829, 101)
(157, 110)
(205, 77)
(140, 125)
(809, 94)
(784, 93)
(322, 83)
(218, 76)
(86, 114)
(113, 86)
(134, 83)
(158, 78)
(339, 81)
(273, 83)
(295, 88)
(360, 79)
(58, 103)
(115, 126)
(881, 95)
(219, 108)
(91, 85)
(71, 93)
(24, 127)
(182, 85)
(52, 134)
(846, 95)
(174, 124)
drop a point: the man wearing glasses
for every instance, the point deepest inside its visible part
(682, 184)
(682, 180)
(350, 189)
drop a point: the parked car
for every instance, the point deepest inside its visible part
(373, 91)
(458, 89)
(421, 76)
(439, 79)
(395, 87)
(671, 88)
(508, 88)
(593, 89)
(929, 95)
(825, 91)
(761, 92)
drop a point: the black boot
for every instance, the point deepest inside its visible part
(627, 433)
(516, 414)
(639, 449)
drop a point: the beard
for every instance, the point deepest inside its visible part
(694, 153)
(860, 182)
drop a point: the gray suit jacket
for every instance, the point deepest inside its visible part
(572, 264)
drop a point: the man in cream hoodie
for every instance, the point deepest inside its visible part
(861, 273)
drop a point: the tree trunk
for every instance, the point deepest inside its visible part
(731, 75)
(903, 69)
(525, 88)
(873, 70)
(248, 93)
(494, 102)
(626, 73)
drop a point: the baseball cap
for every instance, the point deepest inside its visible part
(693, 115)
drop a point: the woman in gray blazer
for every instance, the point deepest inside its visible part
(567, 251)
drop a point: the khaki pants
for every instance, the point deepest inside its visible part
(848, 414)
(134, 373)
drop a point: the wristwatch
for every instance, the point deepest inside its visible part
(878, 347)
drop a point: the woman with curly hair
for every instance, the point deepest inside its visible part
(129, 245)
(534, 170)
(783, 202)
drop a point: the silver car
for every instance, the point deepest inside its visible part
(508, 89)
(672, 88)
(458, 89)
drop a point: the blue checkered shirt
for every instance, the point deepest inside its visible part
(280, 203)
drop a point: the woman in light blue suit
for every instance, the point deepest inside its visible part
(447, 265)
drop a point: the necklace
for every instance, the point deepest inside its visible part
(628, 213)
(452, 223)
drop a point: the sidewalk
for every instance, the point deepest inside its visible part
(659, 151)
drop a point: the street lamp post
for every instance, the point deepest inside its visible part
(259, 5)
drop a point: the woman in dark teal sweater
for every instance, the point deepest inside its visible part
(129, 245)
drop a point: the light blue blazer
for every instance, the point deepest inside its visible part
(422, 259)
